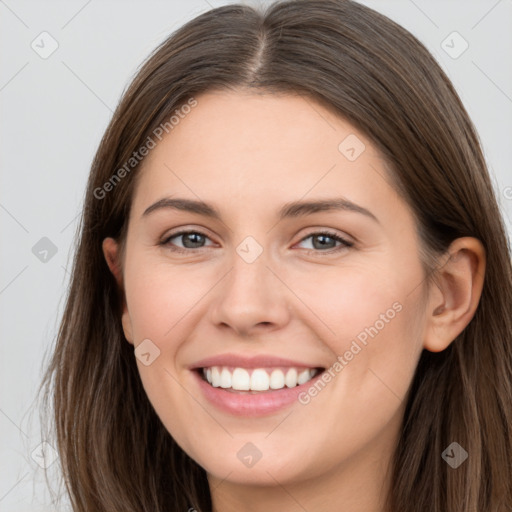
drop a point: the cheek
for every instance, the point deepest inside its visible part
(159, 296)
(164, 303)
(158, 300)
(374, 321)
(351, 298)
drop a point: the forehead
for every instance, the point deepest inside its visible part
(260, 147)
(278, 124)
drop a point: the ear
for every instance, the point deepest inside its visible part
(454, 298)
(112, 256)
(111, 253)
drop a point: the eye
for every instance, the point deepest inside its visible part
(325, 241)
(321, 241)
(190, 240)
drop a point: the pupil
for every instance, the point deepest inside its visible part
(189, 238)
(323, 237)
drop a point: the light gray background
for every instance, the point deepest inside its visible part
(53, 114)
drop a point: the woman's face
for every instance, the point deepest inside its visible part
(262, 292)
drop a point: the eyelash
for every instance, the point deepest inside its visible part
(345, 243)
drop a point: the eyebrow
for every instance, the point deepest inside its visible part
(289, 210)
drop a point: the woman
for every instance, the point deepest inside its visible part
(216, 353)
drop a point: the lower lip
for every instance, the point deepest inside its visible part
(248, 404)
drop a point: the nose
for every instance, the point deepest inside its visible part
(250, 299)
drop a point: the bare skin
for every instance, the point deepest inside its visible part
(306, 297)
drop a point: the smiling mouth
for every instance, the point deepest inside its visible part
(256, 380)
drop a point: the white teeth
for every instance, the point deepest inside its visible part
(259, 380)
(303, 377)
(225, 378)
(291, 378)
(240, 380)
(277, 379)
(215, 382)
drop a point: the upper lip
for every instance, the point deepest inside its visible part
(259, 361)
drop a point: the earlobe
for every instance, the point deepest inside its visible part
(127, 325)
(111, 253)
(456, 294)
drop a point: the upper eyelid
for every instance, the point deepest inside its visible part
(184, 231)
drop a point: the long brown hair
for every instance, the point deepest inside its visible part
(114, 451)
